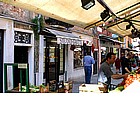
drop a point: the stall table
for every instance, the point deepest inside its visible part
(94, 88)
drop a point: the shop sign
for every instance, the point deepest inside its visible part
(69, 41)
(22, 66)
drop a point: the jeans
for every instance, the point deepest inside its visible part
(88, 71)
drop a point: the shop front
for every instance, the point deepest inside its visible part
(109, 45)
(56, 50)
(89, 45)
(23, 53)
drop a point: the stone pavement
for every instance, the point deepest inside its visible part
(78, 81)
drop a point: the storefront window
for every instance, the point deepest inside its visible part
(61, 58)
(78, 57)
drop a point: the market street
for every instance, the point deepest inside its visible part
(77, 82)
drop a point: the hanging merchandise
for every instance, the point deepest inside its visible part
(72, 47)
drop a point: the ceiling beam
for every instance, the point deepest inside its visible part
(129, 17)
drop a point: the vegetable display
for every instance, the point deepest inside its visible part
(134, 75)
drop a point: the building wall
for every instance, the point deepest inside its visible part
(39, 75)
(73, 73)
(8, 51)
(8, 15)
(15, 12)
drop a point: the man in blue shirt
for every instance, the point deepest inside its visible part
(88, 61)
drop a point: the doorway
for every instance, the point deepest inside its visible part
(51, 61)
(1, 60)
(20, 56)
(54, 60)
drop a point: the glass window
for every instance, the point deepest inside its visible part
(78, 57)
(62, 52)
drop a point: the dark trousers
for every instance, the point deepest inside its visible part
(88, 71)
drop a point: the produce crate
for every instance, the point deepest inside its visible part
(68, 87)
(22, 67)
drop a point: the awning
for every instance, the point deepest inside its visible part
(116, 41)
(70, 11)
(110, 39)
(65, 37)
(128, 49)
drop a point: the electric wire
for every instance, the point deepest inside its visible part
(121, 28)
(136, 24)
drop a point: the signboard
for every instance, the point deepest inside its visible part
(22, 66)
(69, 41)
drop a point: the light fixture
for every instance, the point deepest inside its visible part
(105, 15)
(134, 33)
(86, 4)
(129, 25)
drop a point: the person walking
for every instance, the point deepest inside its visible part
(88, 61)
(105, 73)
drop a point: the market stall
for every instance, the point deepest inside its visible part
(96, 88)
(131, 83)
(25, 87)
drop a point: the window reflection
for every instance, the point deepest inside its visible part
(78, 57)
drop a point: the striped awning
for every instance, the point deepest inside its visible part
(65, 37)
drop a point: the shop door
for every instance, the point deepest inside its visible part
(20, 56)
(1, 60)
(52, 63)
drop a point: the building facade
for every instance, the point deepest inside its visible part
(16, 44)
(56, 54)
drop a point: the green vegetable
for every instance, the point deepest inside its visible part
(120, 88)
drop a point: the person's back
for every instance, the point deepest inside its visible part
(123, 62)
(88, 61)
(126, 64)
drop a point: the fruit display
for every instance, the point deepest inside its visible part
(134, 75)
(118, 89)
